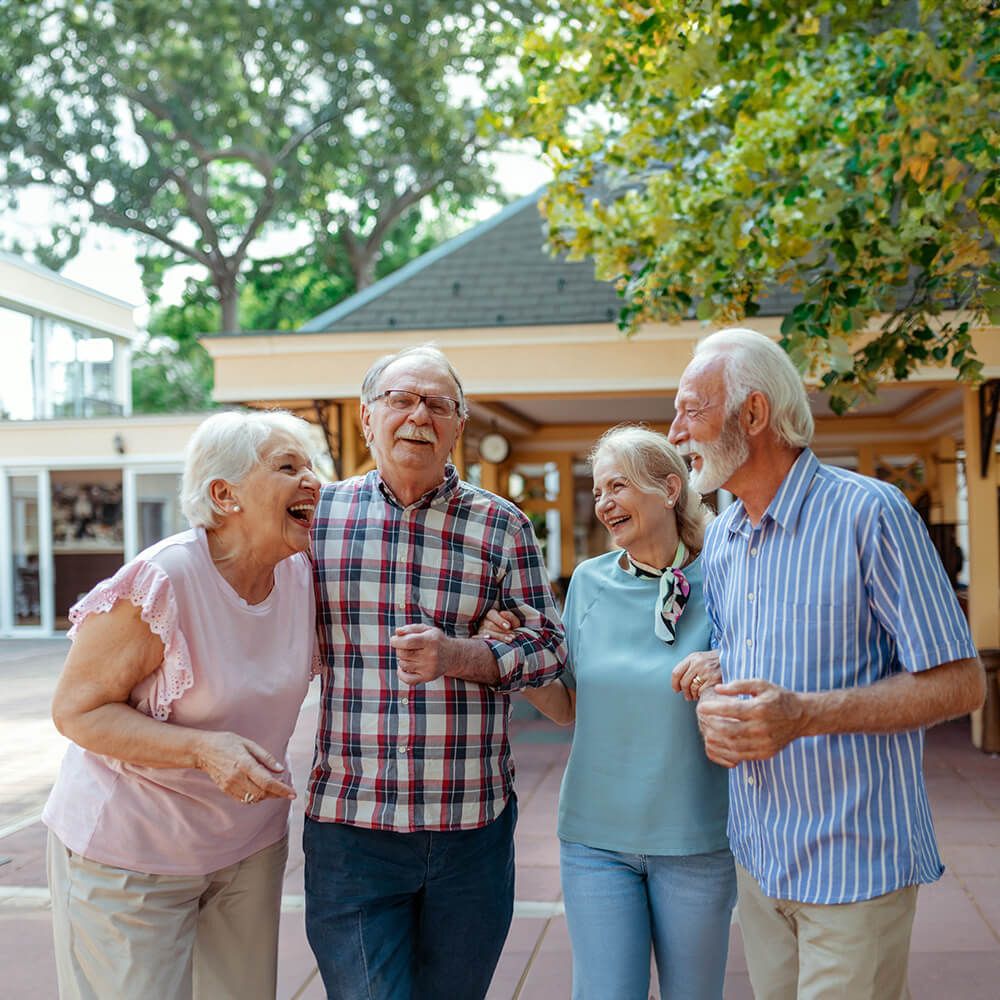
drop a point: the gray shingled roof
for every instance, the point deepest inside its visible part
(496, 274)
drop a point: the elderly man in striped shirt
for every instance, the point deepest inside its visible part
(840, 641)
(409, 824)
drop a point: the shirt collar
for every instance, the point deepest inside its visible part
(441, 493)
(786, 504)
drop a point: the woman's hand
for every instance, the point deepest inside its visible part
(112, 653)
(497, 624)
(242, 769)
(697, 672)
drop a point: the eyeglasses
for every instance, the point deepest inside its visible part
(404, 401)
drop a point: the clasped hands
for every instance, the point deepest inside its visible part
(422, 653)
(749, 720)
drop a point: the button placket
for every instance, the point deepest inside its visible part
(406, 615)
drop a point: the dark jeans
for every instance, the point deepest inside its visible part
(409, 916)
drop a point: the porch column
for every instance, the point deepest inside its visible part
(984, 541)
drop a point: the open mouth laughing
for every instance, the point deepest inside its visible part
(302, 512)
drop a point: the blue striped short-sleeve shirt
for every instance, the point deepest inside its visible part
(838, 586)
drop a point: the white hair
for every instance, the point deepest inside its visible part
(228, 446)
(755, 363)
(647, 458)
(427, 351)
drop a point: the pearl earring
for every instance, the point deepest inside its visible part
(236, 508)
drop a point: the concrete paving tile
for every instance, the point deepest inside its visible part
(737, 986)
(736, 960)
(537, 849)
(549, 977)
(296, 962)
(981, 832)
(313, 989)
(970, 860)
(28, 967)
(537, 882)
(971, 975)
(508, 975)
(985, 893)
(947, 920)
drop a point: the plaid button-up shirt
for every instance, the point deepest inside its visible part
(434, 756)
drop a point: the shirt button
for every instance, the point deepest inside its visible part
(402, 751)
(404, 701)
(751, 780)
(749, 643)
(753, 551)
(750, 596)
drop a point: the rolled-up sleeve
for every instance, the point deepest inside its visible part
(536, 653)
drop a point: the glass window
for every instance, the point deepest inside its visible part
(81, 374)
(24, 549)
(87, 533)
(17, 373)
(158, 507)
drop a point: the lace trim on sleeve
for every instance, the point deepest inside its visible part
(148, 588)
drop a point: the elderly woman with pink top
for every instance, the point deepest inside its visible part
(168, 822)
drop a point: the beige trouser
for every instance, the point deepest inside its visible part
(853, 951)
(128, 936)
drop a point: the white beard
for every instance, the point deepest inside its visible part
(720, 459)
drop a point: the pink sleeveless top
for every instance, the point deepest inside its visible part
(227, 665)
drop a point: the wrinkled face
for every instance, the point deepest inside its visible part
(713, 442)
(278, 497)
(636, 520)
(415, 443)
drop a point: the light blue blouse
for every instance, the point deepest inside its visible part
(638, 780)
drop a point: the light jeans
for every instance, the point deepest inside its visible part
(618, 906)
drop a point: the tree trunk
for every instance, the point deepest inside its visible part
(364, 269)
(227, 289)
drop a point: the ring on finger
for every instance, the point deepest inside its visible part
(697, 682)
(248, 798)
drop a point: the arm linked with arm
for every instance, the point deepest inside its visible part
(535, 654)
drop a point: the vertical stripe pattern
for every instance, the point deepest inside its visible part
(434, 756)
(837, 587)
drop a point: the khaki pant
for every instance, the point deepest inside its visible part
(847, 951)
(129, 936)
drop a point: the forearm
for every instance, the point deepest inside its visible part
(554, 700)
(903, 702)
(120, 731)
(471, 660)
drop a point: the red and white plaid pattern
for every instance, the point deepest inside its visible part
(434, 756)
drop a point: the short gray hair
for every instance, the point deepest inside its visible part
(755, 363)
(228, 446)
(647, 459)
(429, 351)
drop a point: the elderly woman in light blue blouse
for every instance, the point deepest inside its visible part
(642, 815)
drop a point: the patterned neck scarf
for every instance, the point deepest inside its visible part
(673, 595)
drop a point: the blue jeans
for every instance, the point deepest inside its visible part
(620, 905)
(409, 916)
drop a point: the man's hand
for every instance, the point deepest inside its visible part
(422, 653)
(696, 673)
(753, 728)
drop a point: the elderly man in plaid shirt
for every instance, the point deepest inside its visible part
(410, 820)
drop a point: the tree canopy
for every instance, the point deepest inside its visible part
(174, 372)
(200, 125)
(707, 153)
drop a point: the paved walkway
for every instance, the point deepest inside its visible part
(956, 939)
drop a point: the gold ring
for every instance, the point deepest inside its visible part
(248, 798)
(697, 680)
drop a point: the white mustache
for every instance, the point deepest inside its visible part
(413, 432)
